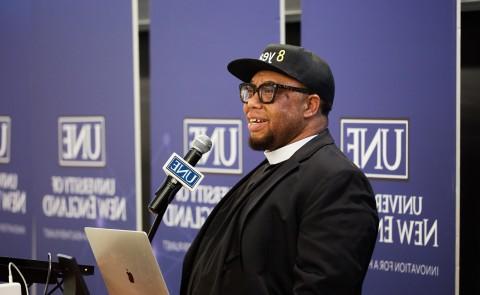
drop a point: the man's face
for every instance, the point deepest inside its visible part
(277, 124)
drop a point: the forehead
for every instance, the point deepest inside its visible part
(264, 76)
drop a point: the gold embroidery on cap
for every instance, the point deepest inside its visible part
(281, 55)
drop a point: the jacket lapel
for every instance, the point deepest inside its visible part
(262, 189)
(191, 253)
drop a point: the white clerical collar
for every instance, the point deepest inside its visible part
(285, 152)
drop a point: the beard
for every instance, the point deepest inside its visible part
(261, 144)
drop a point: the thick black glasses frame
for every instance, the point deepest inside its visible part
(275, 88)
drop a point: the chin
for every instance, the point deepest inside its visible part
(260, 144)
(256, 146)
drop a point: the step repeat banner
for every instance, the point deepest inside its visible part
(192, 93)
(67, 125)
(395, 116)
(15, 134)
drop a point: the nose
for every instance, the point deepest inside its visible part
(253, 102)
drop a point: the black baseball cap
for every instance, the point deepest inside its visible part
(293, 61)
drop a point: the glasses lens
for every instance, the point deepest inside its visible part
(267, 92)
(246, 91)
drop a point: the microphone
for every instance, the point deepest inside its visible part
(170, 187)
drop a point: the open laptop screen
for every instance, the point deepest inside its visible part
(126, 261)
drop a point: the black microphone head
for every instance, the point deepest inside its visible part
(202, 144)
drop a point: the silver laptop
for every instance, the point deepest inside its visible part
(126, 261)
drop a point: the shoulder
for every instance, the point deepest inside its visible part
(328, 161)
(321, 155)
(327, 176)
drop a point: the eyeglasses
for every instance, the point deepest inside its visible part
(266, 91)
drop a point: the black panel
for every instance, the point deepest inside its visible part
(469, 151)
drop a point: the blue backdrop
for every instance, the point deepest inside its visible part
(69, 90)
(394, 115)
(67, 147)
(193, 93)
(15, 121)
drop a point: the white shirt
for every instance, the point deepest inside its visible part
(285, 152)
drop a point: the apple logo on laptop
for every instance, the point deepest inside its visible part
(130, 277)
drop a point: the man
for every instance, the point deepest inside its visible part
(302, 222)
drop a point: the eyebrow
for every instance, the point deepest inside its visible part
(268, 81)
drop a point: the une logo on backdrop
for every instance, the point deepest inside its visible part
(378, 146)
(81, 141)
(226, 135)
(5, 126)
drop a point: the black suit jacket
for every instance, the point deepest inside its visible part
(309, 229)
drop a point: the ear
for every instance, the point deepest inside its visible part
(311, 105)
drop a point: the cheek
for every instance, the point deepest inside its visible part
(293, 122)
(284, 121)
(289, 113)
(285, 115)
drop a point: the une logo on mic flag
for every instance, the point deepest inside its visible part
(183, 172)
(378, 146)
(5, 126)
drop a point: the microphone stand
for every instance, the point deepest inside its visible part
(159, 206)
(162, 207)
(161, 211)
